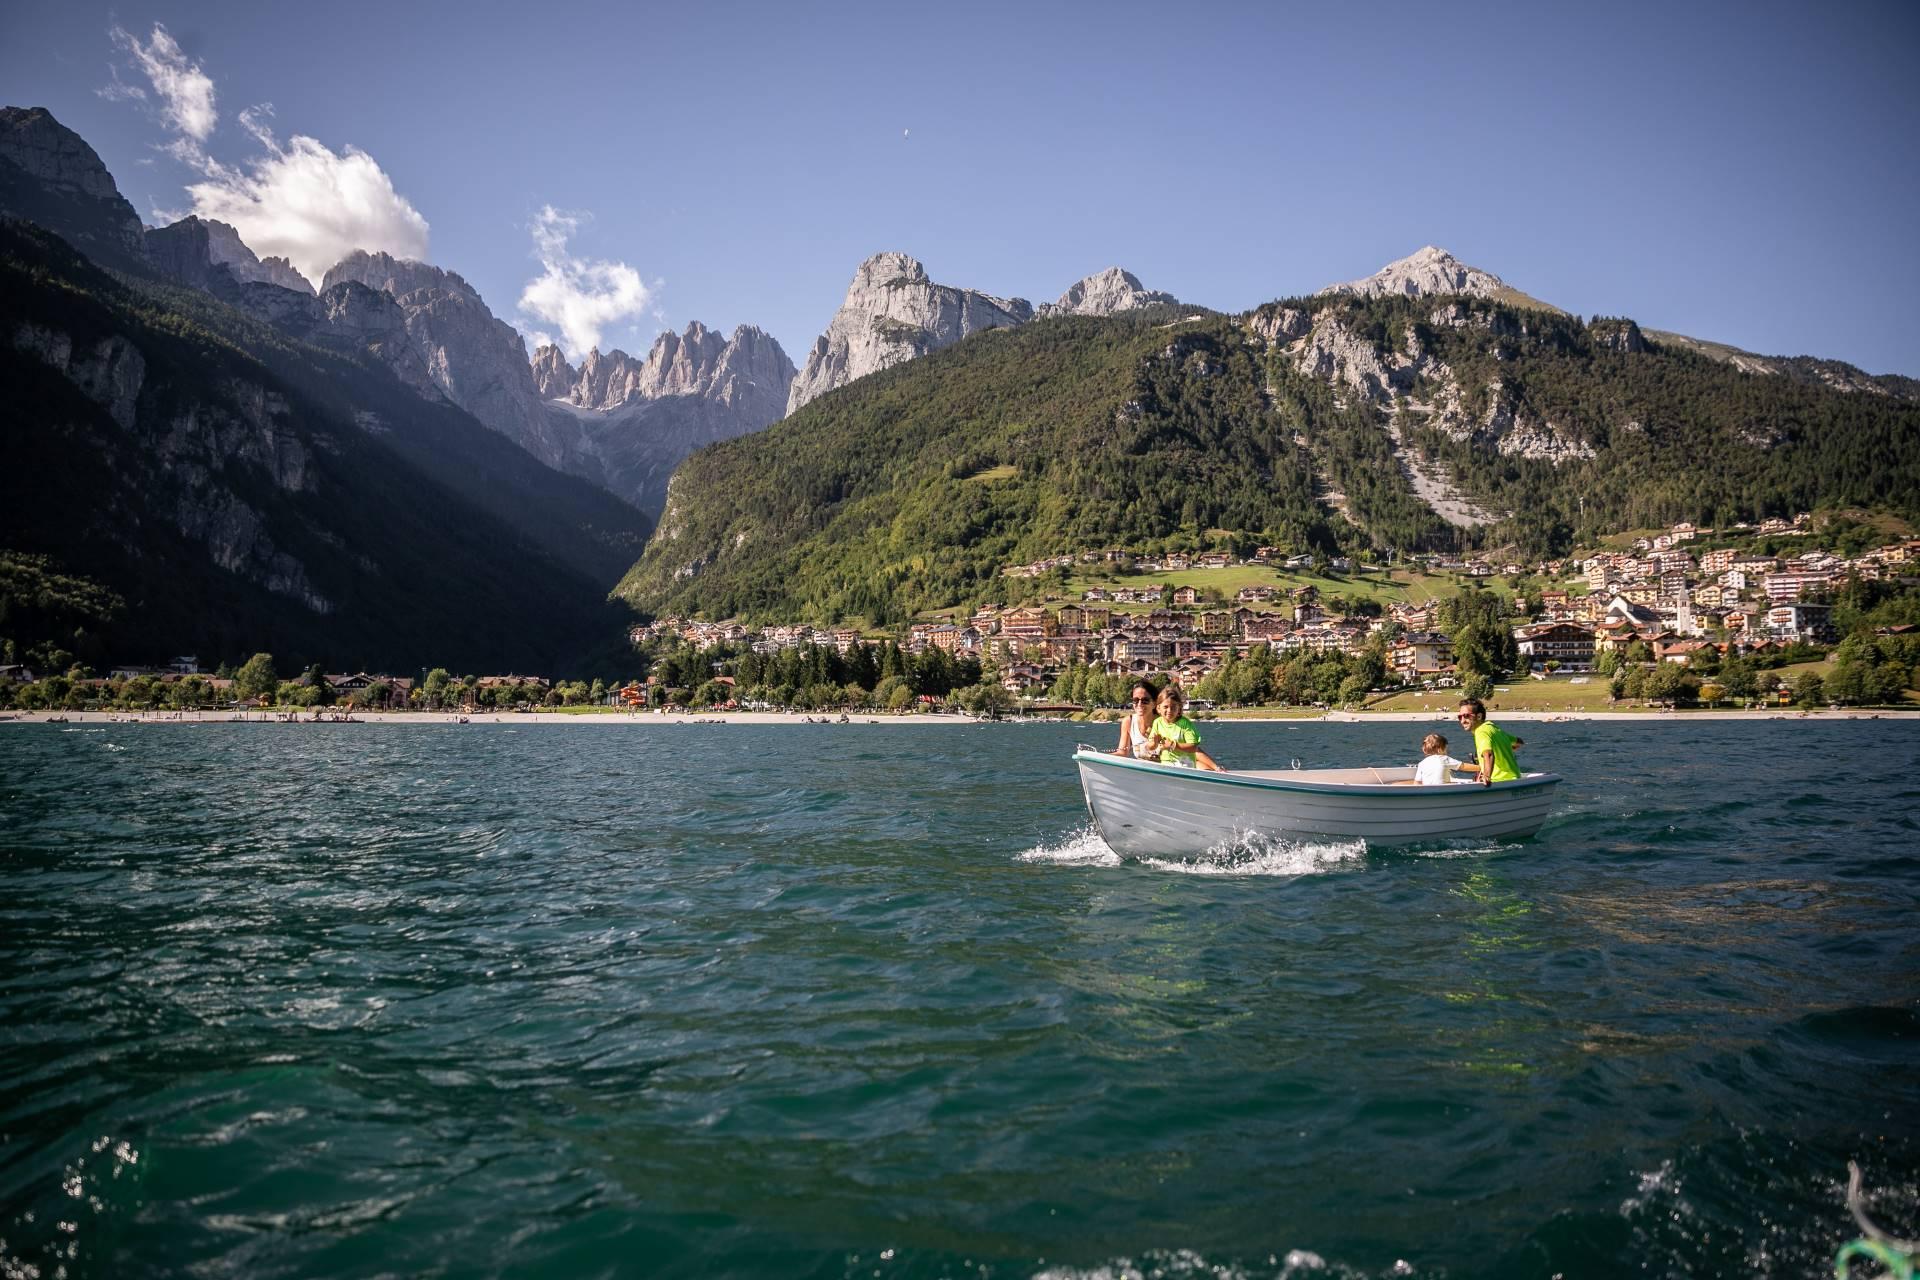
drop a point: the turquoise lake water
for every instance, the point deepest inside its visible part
(874, 1002)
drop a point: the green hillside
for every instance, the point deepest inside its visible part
(911, 489)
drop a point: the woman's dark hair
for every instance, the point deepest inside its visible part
(1153, 694)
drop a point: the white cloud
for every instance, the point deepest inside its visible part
(534, 338)
(302, 201)
(307, 203)
(581, 298)
(184, 90)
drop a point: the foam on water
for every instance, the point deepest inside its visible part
(1188, 1264)
(1245, 855)
(1258, 855)
(1455, 849)
(1079, 848)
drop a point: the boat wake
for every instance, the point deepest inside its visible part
(1246, 855)
(1456, 849)
(1081, 848)
(1257, 855)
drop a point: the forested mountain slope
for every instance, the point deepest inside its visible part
(241, 491)
(1559, 430)
(1317, 423)
(911, 487)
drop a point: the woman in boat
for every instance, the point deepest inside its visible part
(1176, 737)
(1136, 729)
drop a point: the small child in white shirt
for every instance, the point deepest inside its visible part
(1436, 766)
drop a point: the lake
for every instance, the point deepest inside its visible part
(830, 1001)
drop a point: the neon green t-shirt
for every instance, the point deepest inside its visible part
(1489, 737)
(1182, 731)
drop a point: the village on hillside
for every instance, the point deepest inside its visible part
(1655, 592)
(1680, 600)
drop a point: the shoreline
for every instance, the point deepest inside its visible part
(712, 718)
(454, 718)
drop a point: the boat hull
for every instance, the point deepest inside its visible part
(1154, 810)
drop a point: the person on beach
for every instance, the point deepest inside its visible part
(1436, 767)
(1176, 738)
(1136, 729)
(1492, 745)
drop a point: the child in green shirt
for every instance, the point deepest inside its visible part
(1176, 736)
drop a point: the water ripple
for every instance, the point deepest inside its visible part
(652, 1000)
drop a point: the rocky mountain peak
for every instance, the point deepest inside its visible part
(1105, 293)
(639, 418)
(50, 176)
(740, 371)
(53, 153)
(1429, 271)
(196, 249)
(884, 269)
(552, 375)
(893, 313)
(400, 276)
(478, 360)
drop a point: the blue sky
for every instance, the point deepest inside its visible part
(1748, 173)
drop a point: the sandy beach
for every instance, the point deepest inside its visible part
(711, 719)
(443, 718)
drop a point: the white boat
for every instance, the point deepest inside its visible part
(1144, 809)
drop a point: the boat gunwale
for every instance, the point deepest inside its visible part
(1228, 778)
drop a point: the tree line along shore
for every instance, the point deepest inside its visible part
(1682, 617)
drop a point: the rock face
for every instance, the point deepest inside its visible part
(241, 426)
(477, 360)
(239, 488)
(1617, 335)
(1408, 386)
(1281, 325)
(639, 418)
(350, 318)
(606, 382)
(1104, 294)
(620, 422)
(747, 372)
(893, 313)
(553, 377)
(50, 176)
(1413, 380)
(200, 251)
(110, 374)
(225, 247)
(1432, 270)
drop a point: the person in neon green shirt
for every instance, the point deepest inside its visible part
(1177, 737)
(1492, 745)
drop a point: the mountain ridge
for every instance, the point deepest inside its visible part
(243, 491)
(1332, 423)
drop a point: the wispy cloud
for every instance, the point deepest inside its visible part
(581, 298)
(119, 90)
(300, 200)
(184, 91)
